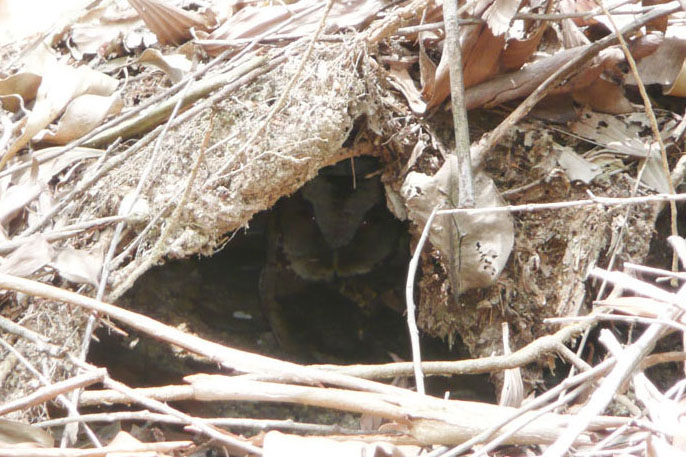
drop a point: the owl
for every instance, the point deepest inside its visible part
(328, 248)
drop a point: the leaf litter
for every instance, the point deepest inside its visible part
(525, 267)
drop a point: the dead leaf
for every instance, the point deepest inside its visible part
(253, 21)
(479, 65)
(604, 97)
(518, 51)
(175, 66)
(485, 241)
(576, 167)
(427, 72)
(60, 84)
(79, 266)
(18, 433)
(416, 153)
(171, 25)
(105, 29)
(15, 199)
(628, 135)
(400, 79)
(24, 85)
(49, 168)
(500, 14)
(654, 174)
(82, 115)
(28, 258)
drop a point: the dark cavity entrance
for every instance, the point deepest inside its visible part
(319, 278)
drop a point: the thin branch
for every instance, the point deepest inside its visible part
(604, 201)
(631, 358)
(530, 353)
(412, 309)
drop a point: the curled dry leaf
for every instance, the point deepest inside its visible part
(23, 85)
(628, 135)
(82, 115)
(403, 82)
(604, 97)
(518, 51)
(176, 66)
(171, 25)
(499, 15)
(28, 258)
(60, 84)
(485, 240)
(104, 29)
(665, 65)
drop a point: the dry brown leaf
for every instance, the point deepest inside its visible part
(28, 258)
(416, 153)
(480, 64)
(427, 72)
(15, 199)
(659, 24)
(500, 14)
(60, 84)
(253, 21)
(518, 51)
(23, 435)
(24, 85)
(78, 266)
(400, 79)
(665, 65)
(175, 66)
(82, 115)
(171, 25)
(576, 167)
(104, 29)
(518, 84)
(604, 97)
(486, 240)
(627, 134)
